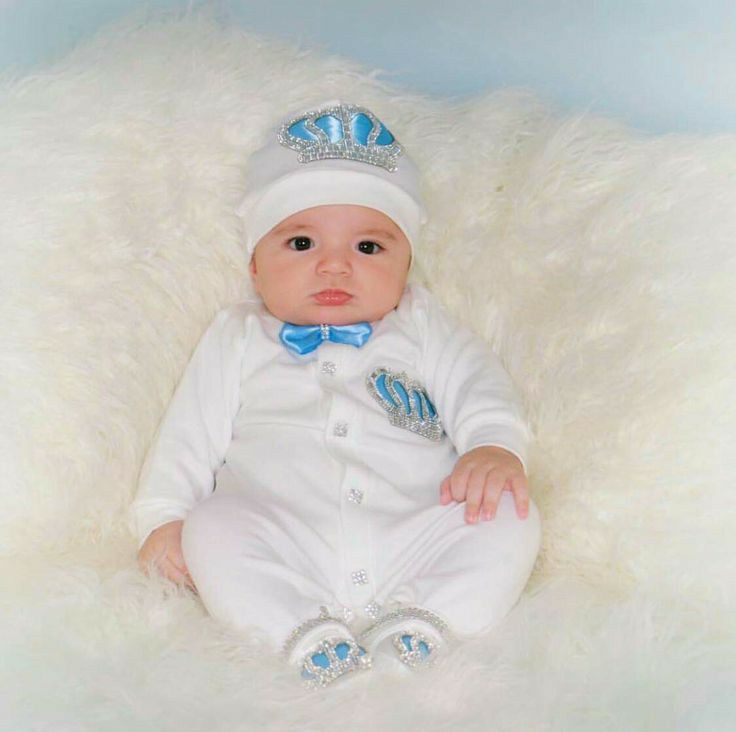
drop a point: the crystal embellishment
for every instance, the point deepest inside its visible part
(340, 429)
(355, 496)
(372, 609)
(331, 659)
(406, 402)
(360, 577)
(416, 650)
(328, 367)
(343, 132)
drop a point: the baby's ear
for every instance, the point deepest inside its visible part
(254, 273)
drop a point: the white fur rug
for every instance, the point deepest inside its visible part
(600, 263)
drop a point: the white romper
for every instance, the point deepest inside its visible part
(313, 481)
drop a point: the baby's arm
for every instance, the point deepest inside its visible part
(190, 445)
(481, 414)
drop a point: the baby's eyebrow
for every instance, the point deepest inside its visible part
(382, 233)
(293, 228)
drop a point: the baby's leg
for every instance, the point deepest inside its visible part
(464, 579)
(250, 572)
(481, 572)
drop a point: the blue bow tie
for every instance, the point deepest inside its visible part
(303, 339)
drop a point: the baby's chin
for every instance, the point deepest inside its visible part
(333, 315)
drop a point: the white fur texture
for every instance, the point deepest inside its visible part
(600, 264)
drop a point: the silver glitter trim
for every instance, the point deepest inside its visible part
(414, 658)
(404, 613)
(355, 496)
(383, 156)
(427, 426)
(360, 577)
(316, 676)
(301, 630)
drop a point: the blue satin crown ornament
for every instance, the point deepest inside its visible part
(303, 339)
(341, 131)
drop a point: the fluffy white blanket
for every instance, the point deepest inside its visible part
(600, 264)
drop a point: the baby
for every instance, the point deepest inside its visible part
(341, 466)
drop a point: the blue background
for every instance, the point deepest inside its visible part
(659, 65)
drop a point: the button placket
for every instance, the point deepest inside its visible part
(331, 366)
(342, 441)
(358, 554)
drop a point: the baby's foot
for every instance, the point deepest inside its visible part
(324, 649)
(411, 634)
(332, 658)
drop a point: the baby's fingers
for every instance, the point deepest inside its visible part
(175, 574)
(445, 495)
(474, 496)
(520, 490)
(491, 496)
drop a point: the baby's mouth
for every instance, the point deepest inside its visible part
(332, 297)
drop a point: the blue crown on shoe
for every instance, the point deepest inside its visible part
(415, 648)
(332, 658)
(406, 402)
(341, 131)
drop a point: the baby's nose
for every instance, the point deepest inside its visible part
(335, 263)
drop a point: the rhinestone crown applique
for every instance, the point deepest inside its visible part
(342, 131)
(406, 402)
(332, 658)
(415, 648)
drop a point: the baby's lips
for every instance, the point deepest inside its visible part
(333, 297)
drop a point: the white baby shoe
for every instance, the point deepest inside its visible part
(413, 635)
(324, 649)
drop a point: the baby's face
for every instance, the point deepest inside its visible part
(332, 264)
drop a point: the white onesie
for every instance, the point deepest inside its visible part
(313, 480)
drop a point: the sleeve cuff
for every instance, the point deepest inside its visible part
(509, 438)
(144, 519)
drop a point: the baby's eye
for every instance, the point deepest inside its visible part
(300, 243)
(369, 247)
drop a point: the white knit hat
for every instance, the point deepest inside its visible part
(335, 154)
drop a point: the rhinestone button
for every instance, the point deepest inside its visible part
(355, 496)
(372, 609)
(340, 429)
(360, 577)
(328, 367)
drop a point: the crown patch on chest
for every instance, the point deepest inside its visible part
(406, 403)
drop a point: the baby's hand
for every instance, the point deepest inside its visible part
(479, 478)
(163, 548)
